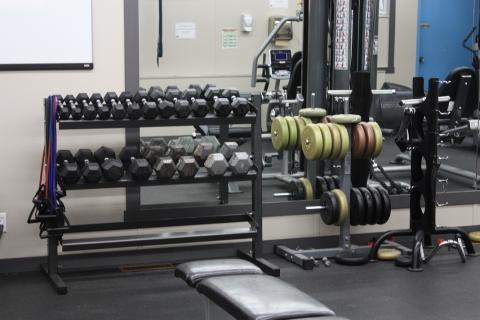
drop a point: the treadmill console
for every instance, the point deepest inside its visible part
(280, 64)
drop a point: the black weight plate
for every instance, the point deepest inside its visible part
(295, 188)
(387, 206)
(377, 204)
(331, 213)
(357, 207)
(351, 258)
(369, 207)
(322, 186)
(330, 183)
(337, 181)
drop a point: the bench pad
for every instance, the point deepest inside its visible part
(261, 297)
(196, 271)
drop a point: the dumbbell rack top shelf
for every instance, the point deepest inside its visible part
(210, 119)
(201, 177)
(195, 215)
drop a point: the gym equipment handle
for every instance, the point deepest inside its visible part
(297, 18)
(412, 102)
(349, 92)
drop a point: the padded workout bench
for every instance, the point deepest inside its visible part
(237, 289)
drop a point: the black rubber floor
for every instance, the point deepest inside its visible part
(447, 289)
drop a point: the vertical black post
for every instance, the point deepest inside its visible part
(132, 79)
(257, 249)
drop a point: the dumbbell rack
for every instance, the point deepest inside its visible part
(189, 216)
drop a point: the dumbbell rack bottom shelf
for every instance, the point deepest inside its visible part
(210, 119)
(153, 181)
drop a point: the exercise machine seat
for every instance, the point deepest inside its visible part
(196, 271)
(261, 297)
(322, 318)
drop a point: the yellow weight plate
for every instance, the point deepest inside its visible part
(280, 133)
(300, 126)
(293, 132)
(346, 118)
(312, 112)
(342, 205)
(312, 142)
(306, 120)
(336, 140)
(345, 145)
(327, 141)
(307, 186)
(378, 139)
(474, 236)
(388, 254)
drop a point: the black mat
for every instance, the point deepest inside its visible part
(447, 289)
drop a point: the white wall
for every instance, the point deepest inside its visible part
(21, 131)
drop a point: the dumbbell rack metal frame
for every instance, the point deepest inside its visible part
(190, 216)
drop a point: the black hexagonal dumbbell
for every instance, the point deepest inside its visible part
(221, 106)
(155, 148)
(67, 168)
(228, 149)
(88, 110)
(75, 110)
(216, 164)
(165, 108)
(103, 110)
(240, 163)
(198, 106)
(182, 107)
(137, 166)
(187, 167)
(133, 110)
(240, 106)
(149, 108)
(176, 150)
(89, 168)
(63, 112)
(202, 151)
(116, 108)
(112, 168)
(165, 167)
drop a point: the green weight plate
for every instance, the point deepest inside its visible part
(345, 141)
(357, 207)
(300, 126)
(331, 213)
(280, 133)
(377, 204)
(306, 120)
(327, 141)
(307, 186)
(312, 142)
(388, 254)
(342, 206)
(369, 206)
(378, 139)
(330, 183)
(322, 186)
(336, 140)
(293, 133)
(387, 206)
(312, 112)
(346, 118)
(474, 236)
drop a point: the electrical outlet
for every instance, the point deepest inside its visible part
(3, 220)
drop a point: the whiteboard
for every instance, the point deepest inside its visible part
(45, 34)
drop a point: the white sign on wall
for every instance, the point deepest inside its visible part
(185, 31)
(229, 39)
(279, 4)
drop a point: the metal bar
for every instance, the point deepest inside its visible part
(349, 92)
(256, 145)
(158, 239)
(223, 185)
(201, 177)
(210, 119)
(412, 102)
(267, 42)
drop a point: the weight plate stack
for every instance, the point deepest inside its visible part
(369, 206)
(336, 139)
(314, 113)
(292, 133)
(377, 205)
(312, 142)
(345, 118)
(357, 207)
(331, 212)
(327, 141)
(345, 141)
